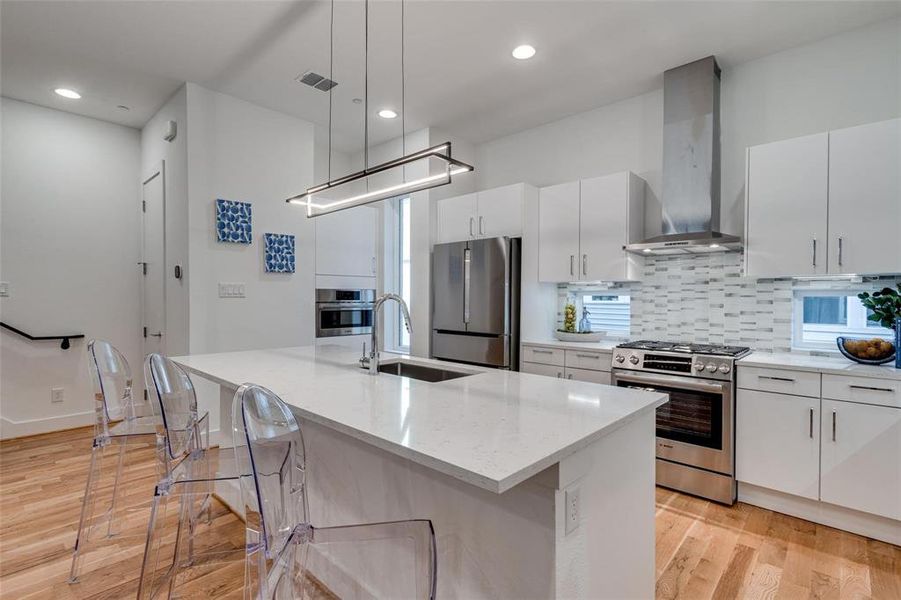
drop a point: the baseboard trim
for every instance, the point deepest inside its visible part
(10, 429)
(846, 519)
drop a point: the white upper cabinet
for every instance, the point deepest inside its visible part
(558, 232)
(828, 203)
(583, 226)
(456, 218)
(786, 207)
(865, 198)
(346, 242)
(861, 462)
(492, 213)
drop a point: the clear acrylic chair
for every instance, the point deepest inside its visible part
(118, 419)
(288, 557)
(188, 472)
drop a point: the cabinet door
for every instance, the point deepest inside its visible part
(537, 369)
(786, 195)
(457, 218)
(861, 464)
(345, 242)
(558, 232)
(500, 211)
(865, 198)
(777, 442)
(602, 377)
(604, 228)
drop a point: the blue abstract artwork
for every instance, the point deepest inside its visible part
(279, 253)
(233, 221)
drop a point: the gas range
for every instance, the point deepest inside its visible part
(708, 361)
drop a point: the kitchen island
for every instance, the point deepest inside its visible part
(537, 487)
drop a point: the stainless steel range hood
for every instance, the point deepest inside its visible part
(691, 164)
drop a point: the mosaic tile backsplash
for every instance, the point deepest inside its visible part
(706, 299)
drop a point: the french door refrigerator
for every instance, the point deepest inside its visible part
(475, 302)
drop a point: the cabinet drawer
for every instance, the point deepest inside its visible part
(797, 383)
(584, 359)
(544, 356)
(602, 377)
(539, 369)
(882, 392)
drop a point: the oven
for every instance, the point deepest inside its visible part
(343, 312)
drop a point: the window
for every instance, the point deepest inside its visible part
(607, 312)
(397, 252)
(822, 315)
(403, 269)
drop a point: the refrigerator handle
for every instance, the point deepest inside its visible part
(467, 260)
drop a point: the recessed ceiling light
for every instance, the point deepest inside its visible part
(523, 52)
(387, 113)
(67, 93)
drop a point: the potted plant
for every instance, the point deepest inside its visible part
(886, 308)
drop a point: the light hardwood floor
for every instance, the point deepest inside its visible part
(704, 550)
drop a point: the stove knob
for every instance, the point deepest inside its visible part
(633, 359)
(699, 366)
(620, 358)
(724, 369)
(711, 367)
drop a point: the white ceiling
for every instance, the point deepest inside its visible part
(460, 76)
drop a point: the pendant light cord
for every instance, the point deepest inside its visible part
(366, 91)
(403, 90)
(331, 76)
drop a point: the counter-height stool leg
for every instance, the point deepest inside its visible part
(87, 510)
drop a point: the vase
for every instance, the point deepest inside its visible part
(898, 342)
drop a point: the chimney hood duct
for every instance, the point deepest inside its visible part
(691, 164)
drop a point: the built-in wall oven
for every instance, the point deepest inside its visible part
(695, 429)
(343, 312)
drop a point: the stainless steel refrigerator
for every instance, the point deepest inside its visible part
(475, 302)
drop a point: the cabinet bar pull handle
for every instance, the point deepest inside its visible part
(811, 423)
(584, 264)
(814, 252)
(593, 356)
(833, 425)
(570, 376)
(540, 351)
(481, 219)
(840, 251)
(572, 260)
(470, 226)
(788, 379)
(872, 389)
(559, 375)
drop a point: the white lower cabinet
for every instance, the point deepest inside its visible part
(553, 361)
(602, 377)
(861, 460)
(777, 442)
(540, 369)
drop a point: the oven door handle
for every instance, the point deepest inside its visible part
(348, 306)
(688, 384)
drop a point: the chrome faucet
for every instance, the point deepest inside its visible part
(372, 361)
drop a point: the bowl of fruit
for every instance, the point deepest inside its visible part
(873, 351)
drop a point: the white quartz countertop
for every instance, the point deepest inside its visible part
(493, 429)
(837, 365)
(601, 346)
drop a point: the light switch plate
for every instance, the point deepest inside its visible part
(232, 290)
(573, 510)
(56, 395)
(4, 289)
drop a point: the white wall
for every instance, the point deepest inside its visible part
(844, 80)
(154, 151)
(69, 250)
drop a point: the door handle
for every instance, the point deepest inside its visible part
(158, 334)
(467, 259)
(814, 252)
(811, 424)
(481, 219)
(471, 219)
(572, 261)
(833, 425)
(584, 264)
(840, 243)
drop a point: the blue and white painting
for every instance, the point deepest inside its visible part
(279, 253)
(233, 221)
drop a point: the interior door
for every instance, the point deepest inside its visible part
(603, 230)
(865, 198)
(787, 204)
(558, 232)
(488, 286)
(447, 286)
(154, 261)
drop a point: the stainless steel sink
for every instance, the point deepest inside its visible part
(420, 372)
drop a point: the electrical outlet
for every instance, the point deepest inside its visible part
(56, 395)
(573, 510)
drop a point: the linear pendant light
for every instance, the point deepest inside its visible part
(433, 166)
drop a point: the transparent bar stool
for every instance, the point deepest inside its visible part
(118, 419)
(288, 557)
(188, 472)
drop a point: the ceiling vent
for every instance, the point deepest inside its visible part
(316, 80)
